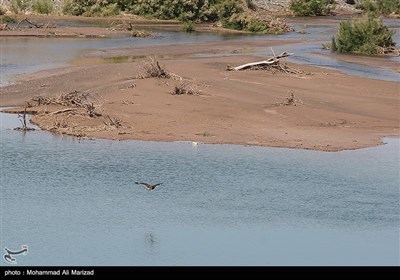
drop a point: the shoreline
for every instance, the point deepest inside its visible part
(331, 111)
(17, 110)
(223, 113)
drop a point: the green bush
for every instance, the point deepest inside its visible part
(8, 19)
(185, 10)
(19, 6)
(311, 7)
(234, 14)
(92, 8)
(228, 8)
(188, 26)
(387, 7)
(43, 6)
(364, 36)
(380, 7)
(71, 8)
(250, 4)
(110, 10)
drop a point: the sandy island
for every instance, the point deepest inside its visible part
(331, 111)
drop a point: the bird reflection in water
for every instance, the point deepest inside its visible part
(151, 243)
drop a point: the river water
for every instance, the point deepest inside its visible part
(26, 55)
(74, 202)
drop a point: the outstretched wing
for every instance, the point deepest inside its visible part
(157, 185)
(141, 183)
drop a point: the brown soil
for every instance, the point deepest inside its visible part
(331, 111)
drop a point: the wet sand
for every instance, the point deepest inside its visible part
(332, 111)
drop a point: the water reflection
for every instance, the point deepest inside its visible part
(151, 243)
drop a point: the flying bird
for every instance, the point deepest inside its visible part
(149, 187)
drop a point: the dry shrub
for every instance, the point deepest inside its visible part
(153, 69)
(291, 100)
(140, 33)
(113, 121)
(72, 99)
(186, 88)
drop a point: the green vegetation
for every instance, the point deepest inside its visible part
(311, 7)
(380, 7)
(2, 11)
(19, 6)
(250, 4)
(43, 6)
(236, 15)
(233, 14)
(366, 35)
(91, 8)
(8, 19)
(188, 26)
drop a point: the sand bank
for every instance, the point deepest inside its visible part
(332, 111)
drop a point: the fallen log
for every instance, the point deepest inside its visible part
(37, 25)
(270, 61)
(63, 111)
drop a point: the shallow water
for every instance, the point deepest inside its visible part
(73, 202)
(26, 55)
(21, 56)
(312, 54)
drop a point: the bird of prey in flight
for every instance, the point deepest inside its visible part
(149, 187)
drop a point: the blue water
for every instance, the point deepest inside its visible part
(22, 56)
(26, 55)
(74, 202)
(312, 54)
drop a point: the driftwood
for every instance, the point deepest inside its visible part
(37, 25)
(75, 99)
(114, 121)
(63, 111)
(270, 61)
(388, 50)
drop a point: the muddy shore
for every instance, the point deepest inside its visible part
(331, 111)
